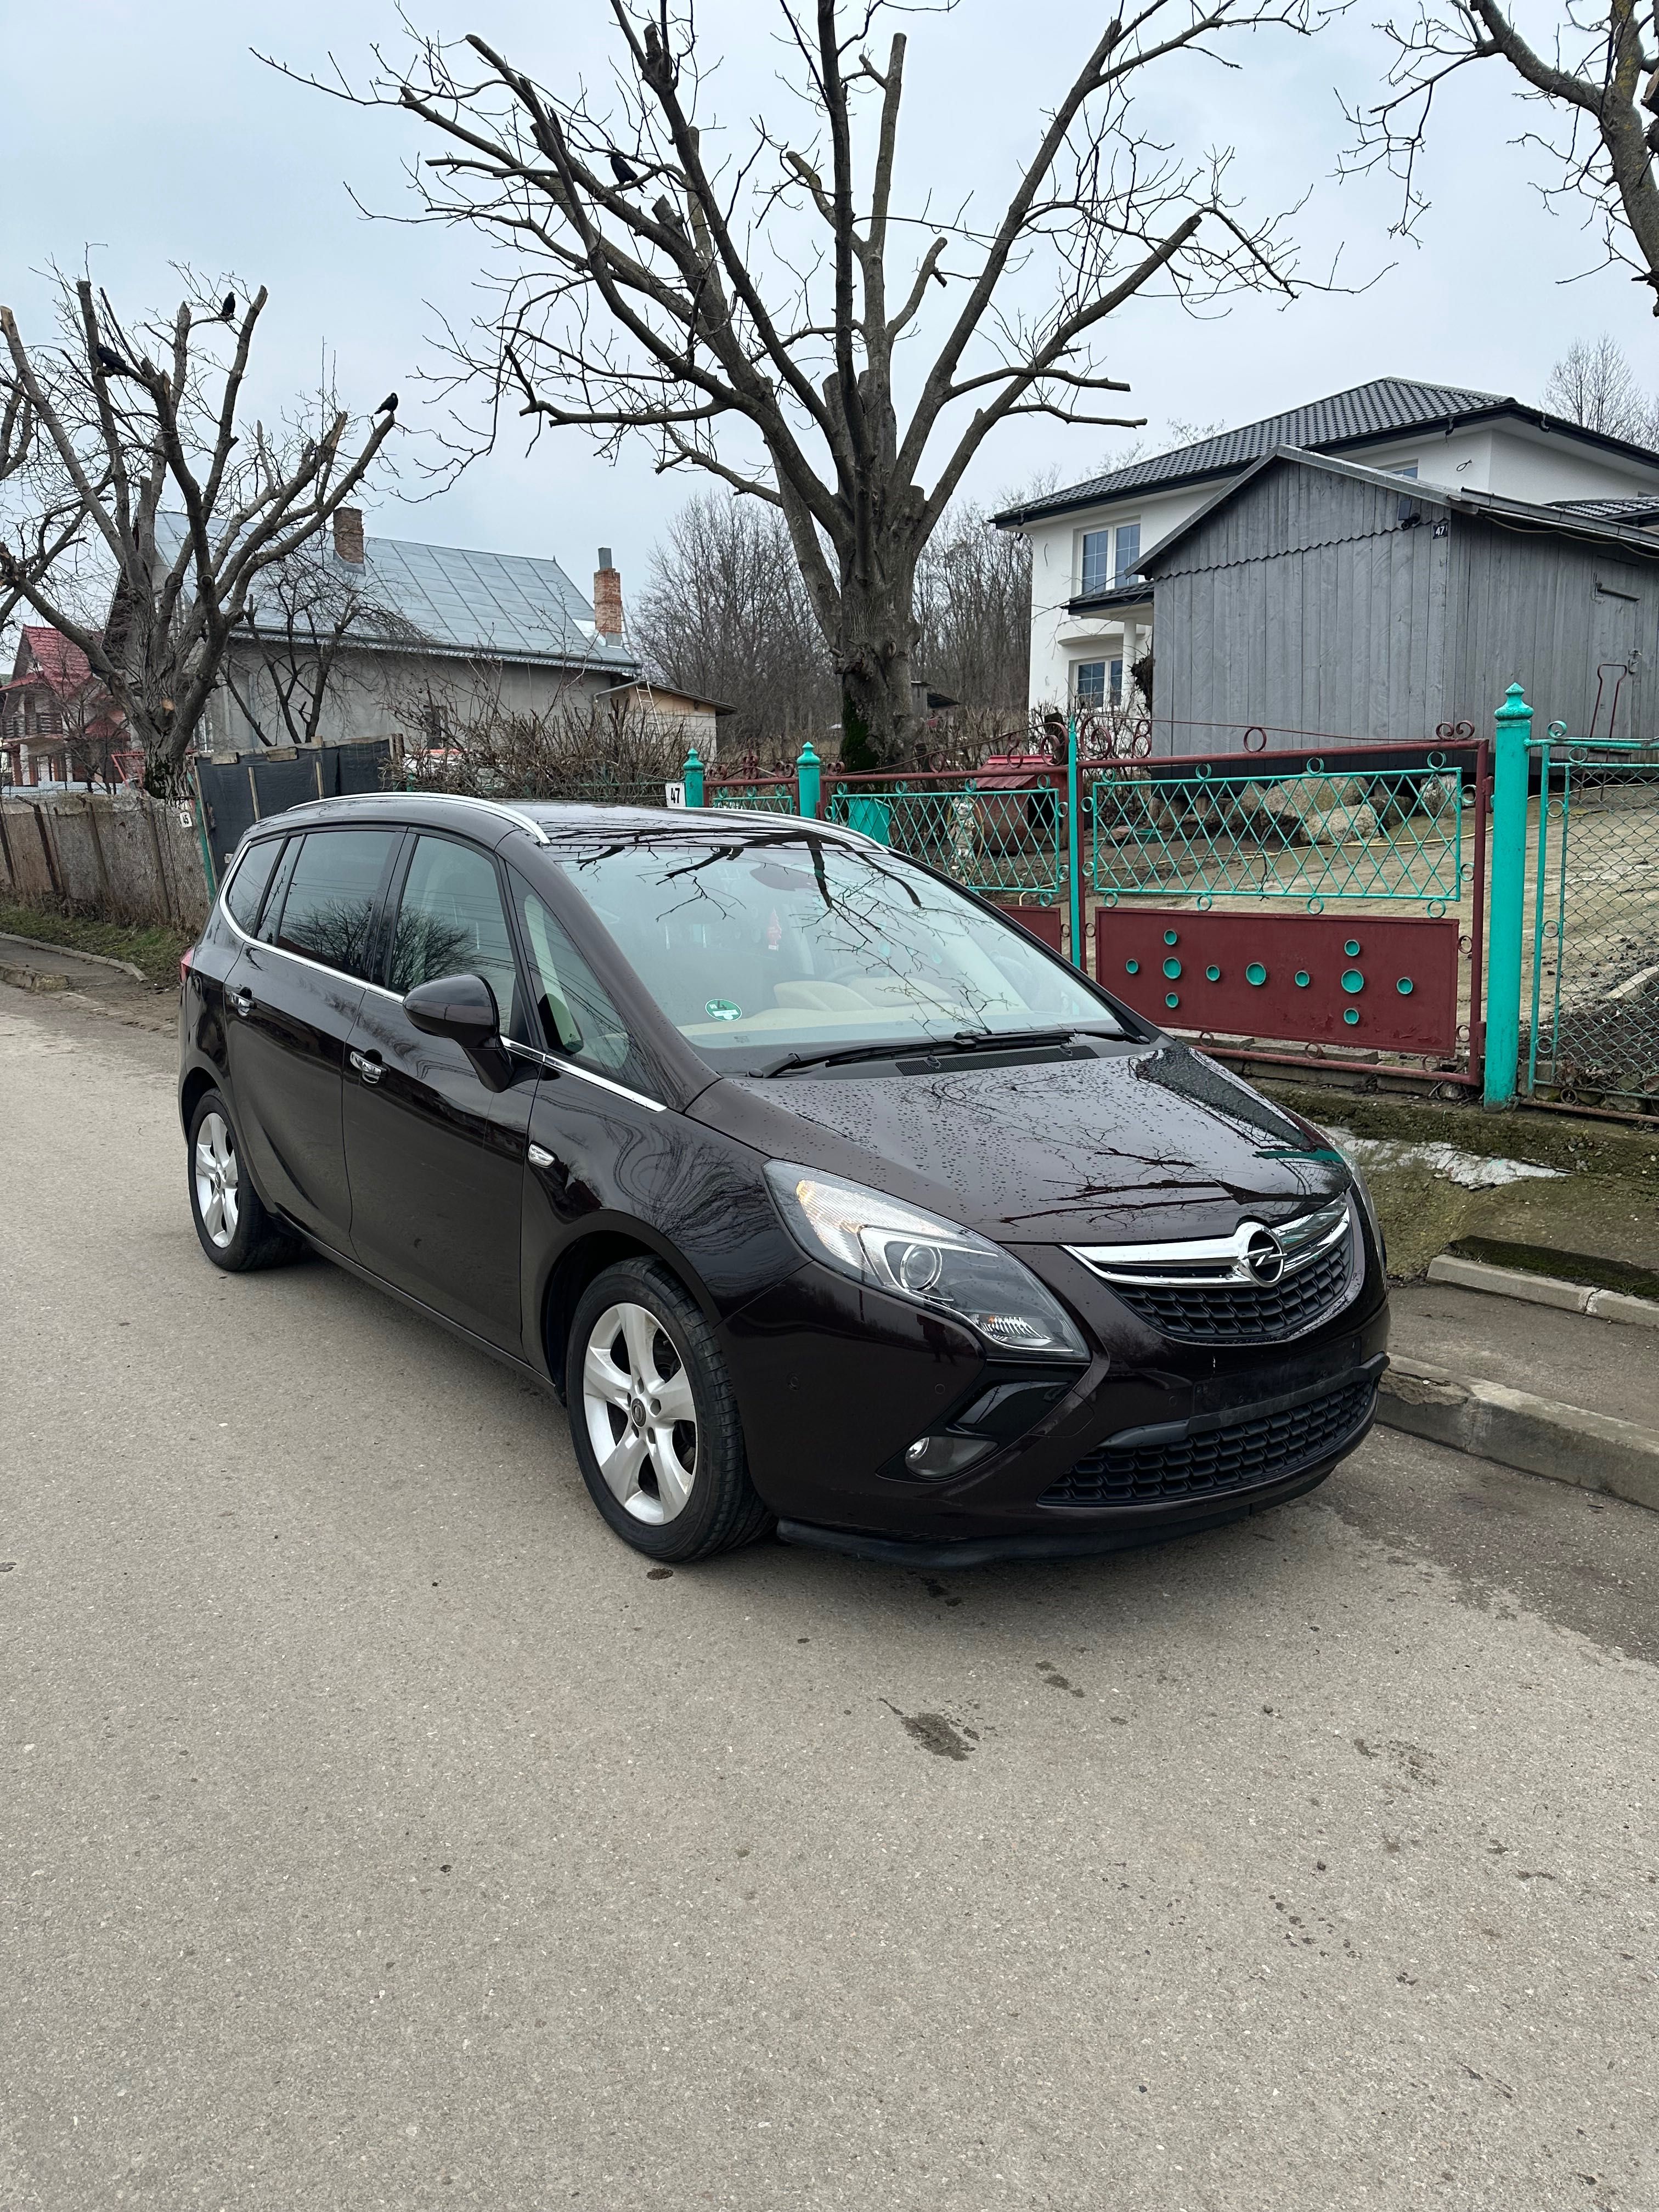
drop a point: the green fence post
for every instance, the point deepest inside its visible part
(1507, 897)
(808, 781)
(1073, 854)
(691, 776)
(208, 869)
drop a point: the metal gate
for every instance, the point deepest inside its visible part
(1593, 990)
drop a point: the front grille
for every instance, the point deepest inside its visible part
(1236, 1455)
(1242, 1313)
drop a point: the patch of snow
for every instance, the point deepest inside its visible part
(1469, 1171)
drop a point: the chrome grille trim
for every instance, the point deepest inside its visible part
(1205, 1262)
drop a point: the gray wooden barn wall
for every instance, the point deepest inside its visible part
(1304, 606)
(1550, 612)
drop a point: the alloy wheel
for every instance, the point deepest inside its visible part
(217, 1201)
(641, 1419)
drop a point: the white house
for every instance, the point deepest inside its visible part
(1091, 610)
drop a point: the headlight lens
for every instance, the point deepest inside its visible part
(891, 1247)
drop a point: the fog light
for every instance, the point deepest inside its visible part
(933, 1457)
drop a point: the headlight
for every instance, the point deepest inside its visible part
(878, 1240)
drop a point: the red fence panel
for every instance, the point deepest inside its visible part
(1388, 984)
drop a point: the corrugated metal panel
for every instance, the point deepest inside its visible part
(505, 606)
(1387, 403)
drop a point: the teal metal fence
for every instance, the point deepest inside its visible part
(1005, 844)
(1591, 1000)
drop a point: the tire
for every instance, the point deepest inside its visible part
(677, 1488)
(232, 1225)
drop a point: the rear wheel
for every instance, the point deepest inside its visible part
(235, 1230)
(653, 1419)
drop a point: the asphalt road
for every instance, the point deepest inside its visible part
(374, 1830)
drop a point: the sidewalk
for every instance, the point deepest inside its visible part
(107, 986)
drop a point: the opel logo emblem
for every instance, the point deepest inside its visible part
(1264, 1256)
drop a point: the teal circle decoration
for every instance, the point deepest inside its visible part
(1171, 936)
(1255, 973)
(1352, 980)
(1405, 987)
(1171, 998)
(1132, 967)
(1352, 948)
(1302, 979)
(1172, 969)
(1214, 975)
(1351, 1015)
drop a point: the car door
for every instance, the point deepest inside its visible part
(293, 996)
(435, 1159)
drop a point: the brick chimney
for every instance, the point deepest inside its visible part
(349, 534)
(607, 597)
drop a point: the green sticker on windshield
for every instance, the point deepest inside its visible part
(723, 1010)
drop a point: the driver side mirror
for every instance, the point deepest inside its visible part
(463, 1009)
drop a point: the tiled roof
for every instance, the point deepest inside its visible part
(1387, 406)
(44, 653)
(503, 606)
(1611, 510)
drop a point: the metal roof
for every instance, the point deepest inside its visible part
(1611, 510)
(503, 606)
(1389, 406)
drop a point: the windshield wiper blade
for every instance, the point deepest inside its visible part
(960, 1041)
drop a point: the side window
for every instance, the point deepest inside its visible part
(245, 892)
(451, 922)
(576, 1006)
(334, 895)
(272, 914)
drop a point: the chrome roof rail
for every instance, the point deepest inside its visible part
(496, 806)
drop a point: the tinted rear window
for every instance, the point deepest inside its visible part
(333, 896)
(247, 888)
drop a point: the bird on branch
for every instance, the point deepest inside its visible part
(113, 365)
(226, 306)
(621, 168)
(388, 405)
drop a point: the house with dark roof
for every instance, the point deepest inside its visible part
(1094, 546)
(357, 637)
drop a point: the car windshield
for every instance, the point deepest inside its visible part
(772, 943)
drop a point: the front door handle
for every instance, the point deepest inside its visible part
(243, 1002)
(368, 1065)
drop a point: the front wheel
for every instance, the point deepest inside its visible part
(653, 1419)
(234, 1228)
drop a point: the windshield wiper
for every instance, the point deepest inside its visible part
(960, 1041)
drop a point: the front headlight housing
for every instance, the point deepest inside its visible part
(892, 1247)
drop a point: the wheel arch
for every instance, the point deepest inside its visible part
(192, 1092)
(589, 1255)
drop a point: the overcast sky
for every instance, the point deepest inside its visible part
(149, 133)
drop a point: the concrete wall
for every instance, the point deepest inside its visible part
(377, 694)
(127, 858)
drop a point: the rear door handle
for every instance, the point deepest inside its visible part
(368, 1066)
(243, 1002)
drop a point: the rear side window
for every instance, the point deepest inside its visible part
(246, 889)
(333, 897)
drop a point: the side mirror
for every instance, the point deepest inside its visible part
(463, 1009)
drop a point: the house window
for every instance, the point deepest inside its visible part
(1406, 469)
(1125, 568)
(1095, 682)
(1096, 560)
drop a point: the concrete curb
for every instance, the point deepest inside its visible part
(73, 952)
(1565, 1444)
(1544, 1291)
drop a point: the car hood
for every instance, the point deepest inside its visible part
(1145, 1142)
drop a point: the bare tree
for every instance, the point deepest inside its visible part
(309, 609)
(973, 615)
(1595, 385)
(724, 615)
(123, 421)
(660, 278)
(1596, 72)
